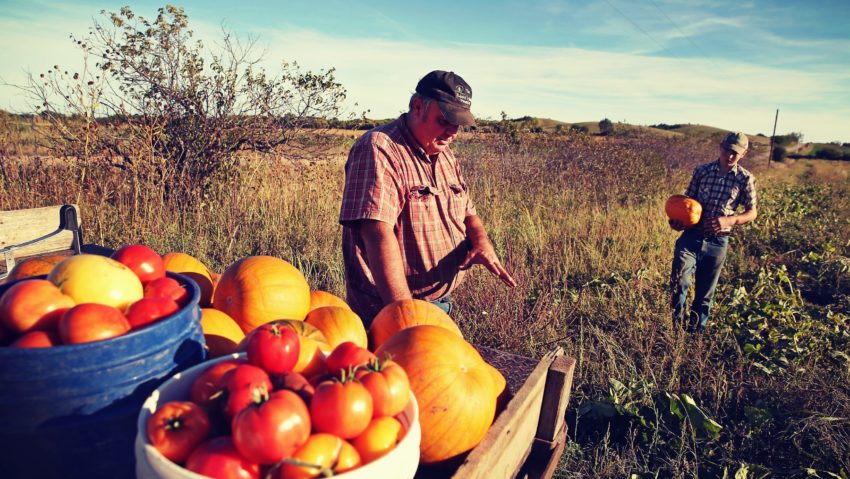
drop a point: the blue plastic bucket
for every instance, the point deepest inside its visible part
(70, 411)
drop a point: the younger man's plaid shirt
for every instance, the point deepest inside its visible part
(389, 178)
(719, 194)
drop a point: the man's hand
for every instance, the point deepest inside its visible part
(482, 253)
(713, 226)
(676, 225)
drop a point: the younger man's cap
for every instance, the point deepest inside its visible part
(452, 93)
(736, 141)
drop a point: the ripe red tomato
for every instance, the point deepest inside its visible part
(379, 438)
(219, 458)
(150, 310)
(89, 322)
(274, 348)
(176, 428)
(388, 384)
(340, 408)
(347, 356)
(242, 397)
(294, 382)
(37, 339)
(270, 431)
(168, 288)
(245, 375)
(144, 261)
(32, 304)
(327, 451)
(209, 383)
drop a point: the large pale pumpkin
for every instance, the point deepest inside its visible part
(35, 266)
(338, 325)
(406, 313)
(455, 388)
(259, 289)
(320, 299)
(221, 333)
(193, 268)
(684, 209)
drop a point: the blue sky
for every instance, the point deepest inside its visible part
(720, 63)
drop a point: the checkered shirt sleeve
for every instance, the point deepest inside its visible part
(371, 184)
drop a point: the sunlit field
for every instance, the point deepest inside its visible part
(579, 221)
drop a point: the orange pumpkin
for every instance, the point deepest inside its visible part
(35, 266)
(221, 333)
(187, 265)
(406, 313)
(319, 299)
(455, 388)
(259, 289)
(684, 209)
(338, 325)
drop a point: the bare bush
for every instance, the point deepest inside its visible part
(152, 99)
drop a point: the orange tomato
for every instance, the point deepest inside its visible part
(37, 339)
(88, 322)
(35, 266)
(379, 438)
(327, 455)
(32, 304)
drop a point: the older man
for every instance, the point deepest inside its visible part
(410, 228)
(721, 187)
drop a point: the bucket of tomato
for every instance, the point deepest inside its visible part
(250, 415)
(80, 367)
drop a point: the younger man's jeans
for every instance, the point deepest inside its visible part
(702, 257)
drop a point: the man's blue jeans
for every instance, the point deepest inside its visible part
(700, 257)
(444, 303)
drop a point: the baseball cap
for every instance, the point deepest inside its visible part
(452, 93)
(736, 141)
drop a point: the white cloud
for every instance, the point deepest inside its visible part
(569, 84)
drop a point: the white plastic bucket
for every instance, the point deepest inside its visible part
(400, 463)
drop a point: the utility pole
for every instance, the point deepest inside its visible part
(770, 155)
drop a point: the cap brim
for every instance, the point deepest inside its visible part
(736, 148)
(456, 115)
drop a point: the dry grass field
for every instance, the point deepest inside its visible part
(765, 392)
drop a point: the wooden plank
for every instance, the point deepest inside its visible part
(556, 396)
(21, 226)
(544, 457)
(508, 442)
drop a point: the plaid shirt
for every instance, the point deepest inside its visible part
(719, 194)
(390, 178)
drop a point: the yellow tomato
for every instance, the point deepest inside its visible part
(379, 438)
(89, 278)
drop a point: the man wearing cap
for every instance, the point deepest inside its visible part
(720, 187)
(410, 228)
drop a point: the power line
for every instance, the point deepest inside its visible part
(688, 38)
(640, 28)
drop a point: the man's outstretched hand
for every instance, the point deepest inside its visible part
(482, 253)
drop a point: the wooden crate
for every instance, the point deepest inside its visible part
(528, 436)
(35, 232)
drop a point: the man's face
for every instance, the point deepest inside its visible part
(430, 128)
(729, 158)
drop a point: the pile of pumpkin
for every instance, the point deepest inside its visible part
(456, 390)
